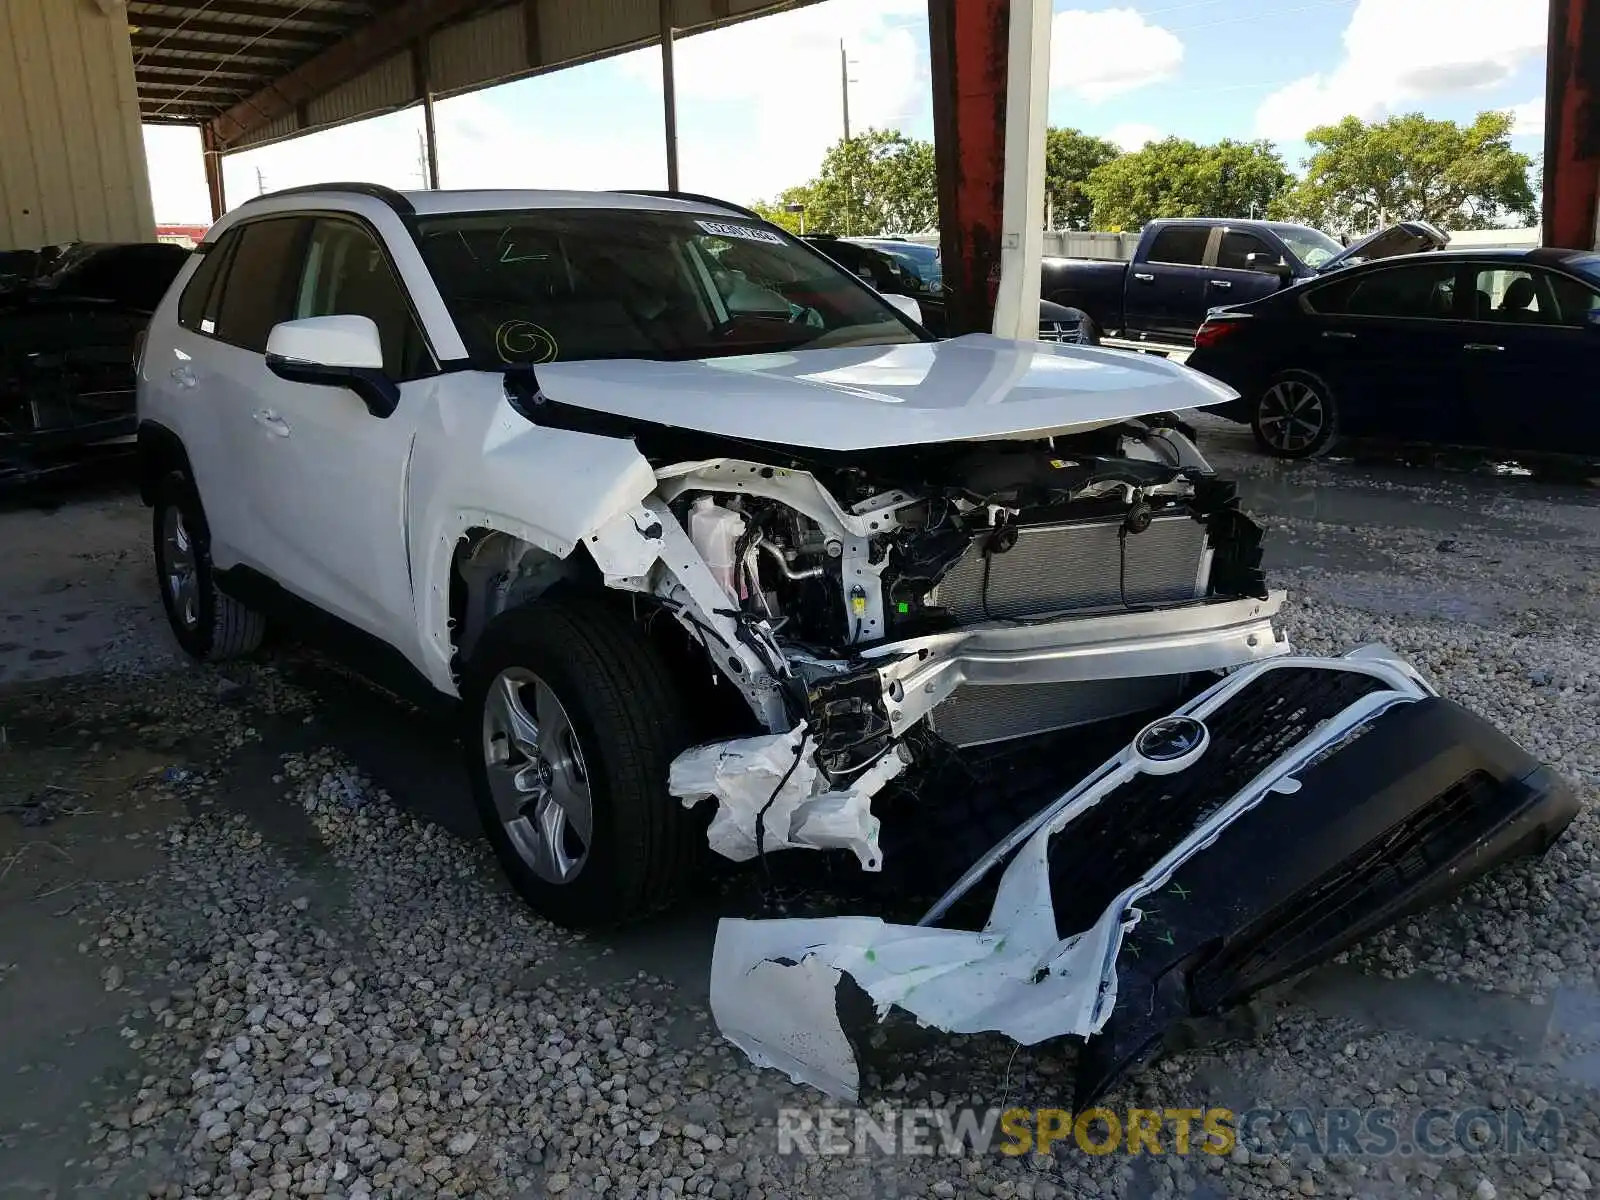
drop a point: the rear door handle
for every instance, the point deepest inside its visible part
(1221, 283)
(1340, 334)
(271, 422)
(1144, 277)
(184, 377)
(1483, 346)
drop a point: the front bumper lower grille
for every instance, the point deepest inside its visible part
(976, 715)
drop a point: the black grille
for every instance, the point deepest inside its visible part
(1131, 828)
(1382, 872)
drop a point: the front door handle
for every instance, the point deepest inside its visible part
(1486, 346)
(1144, 277)
(184, 377)
(1221, 283)
(271, 422)
(1340, 334)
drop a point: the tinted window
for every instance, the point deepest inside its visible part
(1184, 244)
(1573, 301)
(197, 309)
(1420, 291)
(347, 273)
(540, 285)
(258, 291)
(1236, 246)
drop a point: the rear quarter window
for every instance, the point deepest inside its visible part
(196, 312)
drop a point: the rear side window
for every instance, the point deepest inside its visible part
(259, 289)
(1184, 245)
(197, 309)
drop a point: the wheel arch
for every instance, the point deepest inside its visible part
(161, 452)
(494, 571)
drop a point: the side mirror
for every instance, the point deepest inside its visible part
(1270, 264)
(907, 305)
(342, 351)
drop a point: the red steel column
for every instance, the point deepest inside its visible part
(969, 40)
(1572, 126)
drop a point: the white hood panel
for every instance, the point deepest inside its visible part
(968, 388)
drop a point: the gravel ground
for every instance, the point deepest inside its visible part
(245, 950)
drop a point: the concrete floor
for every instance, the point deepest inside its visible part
(88, 670)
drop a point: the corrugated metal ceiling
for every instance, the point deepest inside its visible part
(257, 71)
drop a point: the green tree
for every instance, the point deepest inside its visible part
(1069, 157)
(1361, 176)
(877, 182)
(1178, 178)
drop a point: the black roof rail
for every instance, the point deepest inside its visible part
(374, 190)
(695, 196)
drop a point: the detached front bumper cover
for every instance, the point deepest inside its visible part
(1330, 796)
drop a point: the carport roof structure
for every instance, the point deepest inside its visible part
(255, 71)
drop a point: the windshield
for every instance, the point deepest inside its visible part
(922, 261)
(550, 285)
(1310, 246)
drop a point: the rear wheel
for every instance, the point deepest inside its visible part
(1295, 416)
(572, 721)
(209, 624)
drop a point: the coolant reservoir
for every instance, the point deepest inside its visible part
(715, 532)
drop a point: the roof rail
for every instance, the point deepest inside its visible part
(374, 190)
(696, 196)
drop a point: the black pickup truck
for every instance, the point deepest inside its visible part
(1184, 267)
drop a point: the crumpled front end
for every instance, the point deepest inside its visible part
(1290, 809)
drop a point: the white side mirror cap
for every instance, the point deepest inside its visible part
(342, 341)
(906, 304)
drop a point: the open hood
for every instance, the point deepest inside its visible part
(1408, 237)
(969, 388)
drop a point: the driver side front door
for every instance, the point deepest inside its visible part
(336, 475)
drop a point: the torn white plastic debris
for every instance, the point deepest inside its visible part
(773, 982)
(743, 774)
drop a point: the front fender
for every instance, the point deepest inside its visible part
(477, 463)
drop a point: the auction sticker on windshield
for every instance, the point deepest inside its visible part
(748, 232)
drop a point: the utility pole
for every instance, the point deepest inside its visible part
(844, 87)
(261, 183)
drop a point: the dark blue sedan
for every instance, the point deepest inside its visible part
(1492, 348)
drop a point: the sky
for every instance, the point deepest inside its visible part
(759, 103)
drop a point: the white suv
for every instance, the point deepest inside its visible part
(678, 510)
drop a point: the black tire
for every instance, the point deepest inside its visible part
(210, 625)
(630, 721)
(1295, 416)
(1089, 333)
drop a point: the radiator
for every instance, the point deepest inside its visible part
(973, 715)
(1062, 568)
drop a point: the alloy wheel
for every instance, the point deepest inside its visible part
(1291, 416)
(179, 567)
(537, 775)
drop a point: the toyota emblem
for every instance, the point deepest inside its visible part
(1171, 744)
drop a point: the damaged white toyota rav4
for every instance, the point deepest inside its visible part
(718, 550)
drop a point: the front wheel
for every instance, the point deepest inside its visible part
(571, 721)
(1295, 416)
